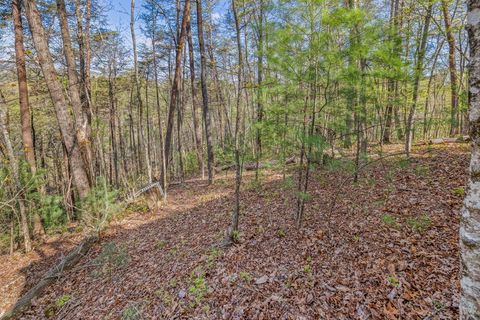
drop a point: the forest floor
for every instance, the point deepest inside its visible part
(387, 249)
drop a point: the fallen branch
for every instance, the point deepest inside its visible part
(449, 140)
(54, 273)
(148, 187)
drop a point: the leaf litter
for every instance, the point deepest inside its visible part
(351, 262)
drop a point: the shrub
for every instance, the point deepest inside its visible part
(52, 212)
(100, 205)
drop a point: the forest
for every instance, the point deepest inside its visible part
(239, 159)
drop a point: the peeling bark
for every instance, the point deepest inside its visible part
(470, 213)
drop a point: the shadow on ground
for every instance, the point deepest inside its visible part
(387, 250)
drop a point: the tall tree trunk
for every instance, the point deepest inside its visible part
(175, 91)
(18, 188)
(138, 96)
(259, 90)
(197, 128)
(74, 89)
(238, 170)
(203, 79)
(157, 94)
(83, 37)
(470, 222)
(392, 83)
(27, 137)
(25, 117)
(416, 79)
(64, 118)
(452, 68)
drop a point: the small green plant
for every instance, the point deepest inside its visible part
(131, 312)
(60, 302)
(160, 244)
(393, 281)
(403, 163)
(255, 184)
(307, 268)
(235, 236)
(356, 238)
(281, 233)
(54, 307)
(419, 224)
(139, 206)
(288, 183)
(343, 165)
(164, 296)
(100, 205)
(458, 191)
(421, 171)
(390, 221)
(438, 305)
(304, 196)
(110, 259)
(245, 276)
(198, 288)
(212, 256)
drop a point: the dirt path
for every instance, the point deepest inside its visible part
(388, 250)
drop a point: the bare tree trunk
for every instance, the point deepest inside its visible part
(160, 127)
(113, 128)
(470, 222)
(18, 189)
(174, 94)
(27, 135)
(64, 119)
(452, 68)
(140, 133)
(238, 170)
(203, 79)
(416, 80)
(74, 89)
(259, 89)
(392, 83)
(197, 128)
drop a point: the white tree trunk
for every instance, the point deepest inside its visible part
(470, 213)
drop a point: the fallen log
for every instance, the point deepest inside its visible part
(67, 263)
(449, 140)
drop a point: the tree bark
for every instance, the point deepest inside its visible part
(74, 88)
(27, 137)
(25, 117)
(197, 128)
(203, 79)
(140, 133)
(238, 170)
(174, 94)
(55, 89)
(470, 213)
(452, 68)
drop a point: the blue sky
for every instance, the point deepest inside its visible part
(118, 16)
